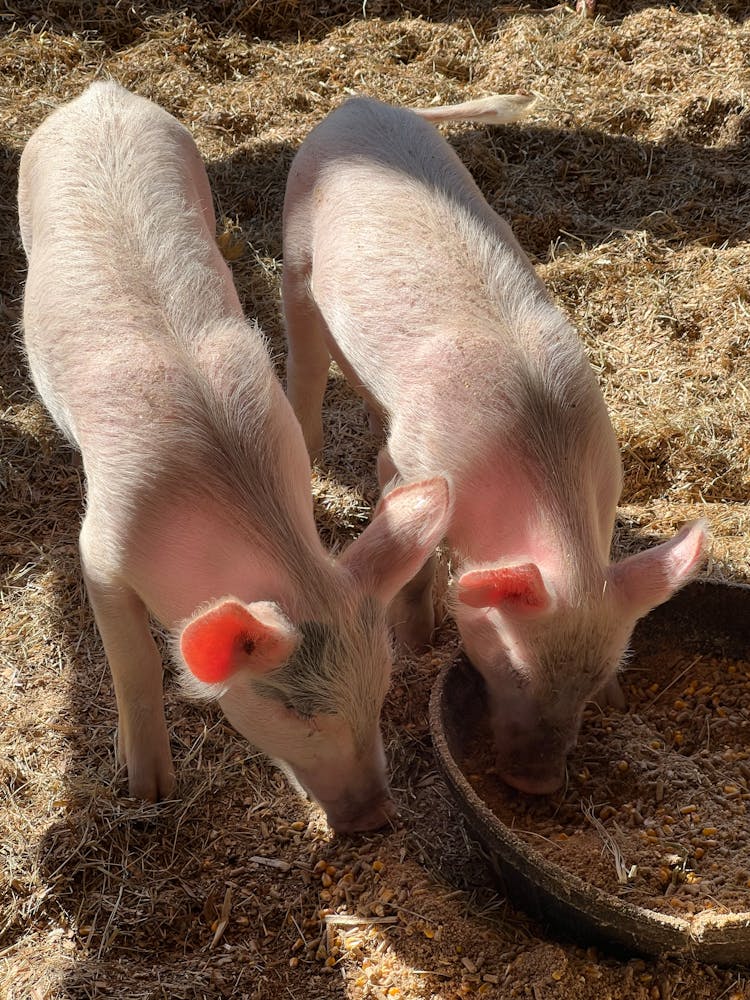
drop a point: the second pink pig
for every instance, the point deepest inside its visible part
(396, 266)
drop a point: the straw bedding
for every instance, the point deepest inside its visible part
(630, 190)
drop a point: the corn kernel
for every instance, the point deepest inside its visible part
(297, 826)
(709, 831)
(378, 866)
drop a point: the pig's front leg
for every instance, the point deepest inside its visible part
(143, 741)
(612, 695)
(411, 613)
(308, 360)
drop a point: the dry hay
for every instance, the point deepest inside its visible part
(630, 190)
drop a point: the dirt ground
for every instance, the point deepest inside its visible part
(629, 187)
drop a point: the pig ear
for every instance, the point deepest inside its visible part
(409, 522)
(651, 577)
(518, 589)
(232, 636)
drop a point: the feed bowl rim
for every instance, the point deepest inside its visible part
(559, 896)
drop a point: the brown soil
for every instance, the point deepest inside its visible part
(655, 807)
(630, 189)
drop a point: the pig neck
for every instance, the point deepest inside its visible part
(534, 457)
(504, 523)
(232, 460)
(206, 550)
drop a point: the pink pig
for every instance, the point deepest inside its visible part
(396, 266)
(199, 507)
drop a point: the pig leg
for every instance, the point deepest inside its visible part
(308, 361)
(376, 424)
(611, 695)
(143, 741)
(411, 613)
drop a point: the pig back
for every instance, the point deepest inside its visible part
(441, 317)
(133, 328)
(125, 278)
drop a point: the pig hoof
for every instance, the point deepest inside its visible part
(384, 813)
(413, 625)
(611, 695)
(151, 782)
(415, 636)
(151, 789)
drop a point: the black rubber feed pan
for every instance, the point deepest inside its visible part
(548, 892)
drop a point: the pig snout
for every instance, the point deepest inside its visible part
(348, 817)
(369, 806)
(532, 762)
(355, 796)
(535, 777)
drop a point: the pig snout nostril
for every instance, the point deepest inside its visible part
(374, 816)
(533, 784)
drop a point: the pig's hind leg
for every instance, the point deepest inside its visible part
(122, 619)
(308, 360)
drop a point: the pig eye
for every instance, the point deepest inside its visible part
(302, 716)
(521, 679)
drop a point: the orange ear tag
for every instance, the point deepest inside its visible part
(519, 587)
(211, 643)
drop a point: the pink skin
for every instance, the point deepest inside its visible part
(199, 508)
(397, 268)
